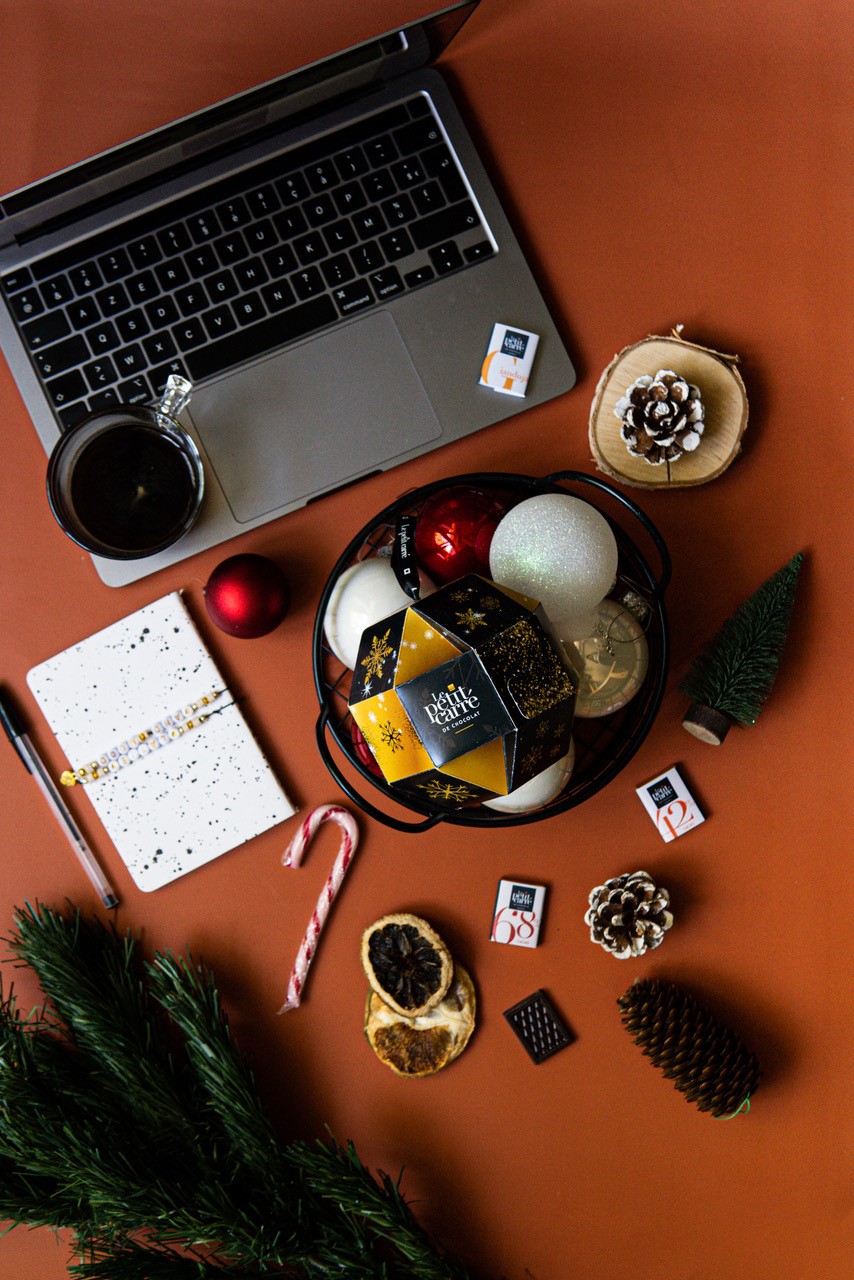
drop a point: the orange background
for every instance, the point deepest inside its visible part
(662, 164)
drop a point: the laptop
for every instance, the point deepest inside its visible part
(323, 256)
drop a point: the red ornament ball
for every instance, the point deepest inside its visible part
(363, 751)
(454, 532)
(247, 596)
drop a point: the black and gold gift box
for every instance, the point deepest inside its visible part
(464, 695)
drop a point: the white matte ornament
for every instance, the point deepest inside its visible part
(561, 551)
(364, 594)
(539, 790)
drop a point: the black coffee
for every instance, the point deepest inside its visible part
(132, 487)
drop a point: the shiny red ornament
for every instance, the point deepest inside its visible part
(454, 532)
(247, 596)
(363, 751)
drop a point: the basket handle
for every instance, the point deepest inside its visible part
(347, 787)
(581, 477)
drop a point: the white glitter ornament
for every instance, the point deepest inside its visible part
(539, 790)
(561, 551)
(364, 594)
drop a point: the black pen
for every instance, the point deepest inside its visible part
(25, 749)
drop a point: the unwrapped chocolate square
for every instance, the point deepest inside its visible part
(538, 1026)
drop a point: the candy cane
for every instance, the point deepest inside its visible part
(292, 857)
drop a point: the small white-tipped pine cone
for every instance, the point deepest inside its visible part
(629, 915)
(662, 417)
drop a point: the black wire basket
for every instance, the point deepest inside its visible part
(603, 746)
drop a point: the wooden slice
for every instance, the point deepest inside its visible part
(724, 399)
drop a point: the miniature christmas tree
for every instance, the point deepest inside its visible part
(730, 681)
(128, 1114)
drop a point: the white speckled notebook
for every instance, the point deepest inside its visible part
(188, 801)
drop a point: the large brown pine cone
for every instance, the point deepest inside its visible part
(705, 1060)
(662, 417)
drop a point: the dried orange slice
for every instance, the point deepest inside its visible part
(406, 963)
(421, 1046)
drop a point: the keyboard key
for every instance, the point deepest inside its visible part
(144, 252)
(444, 224)
(231, 248)
(446, 257)
(281, 261)
(367, 257)
(26, 304)
(398, 211)
(17, 279)
(381, 150)
(132, 325)
(340, 235)
(135, 391)
(232, 213)
(396, 244)
(85, 279)
(351, 163)
(308, 283)
(100, 373)
(320, 209)
(61, 356)
(143, 287)
(278, 296)
(275, 331)
(57, 291)
(427, 197)
(407, 173)
(290, 223)
(68, 387)
(112, 300)
(174, 239)
(45, 329)
(379, 185)
(219, 321)
(263, 201)
(222, 286)
(162, 312)
(203, 226)
(250, 275)
(349, 198)
(249, 308)
(421, 275)
(311, 247)
(439, 163)
(83, 313)
(418, 135)
(189, 334)
(387, 283)
(293, 188)
(369, 223)
(202, 261)
(419, 106)
(337, 270)
(260, 235)
(158, 347)
(103, 337)
(115, 266)
(353, 297)
(158, 377)
(172, 274)
(191, 300)
(130, 360)
(475, 252)
(72, 415)
(103, 399)
(321, 175)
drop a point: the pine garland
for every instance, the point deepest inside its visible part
(736, 672)
(128, 1114)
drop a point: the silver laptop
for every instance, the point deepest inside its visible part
(322, 256)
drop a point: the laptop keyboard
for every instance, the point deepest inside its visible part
(249, 263)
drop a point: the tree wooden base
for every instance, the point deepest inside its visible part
(707, 724)
(724, 398)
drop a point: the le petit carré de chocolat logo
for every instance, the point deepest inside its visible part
(448, 706)
(521, 898)
(514, 344)
(661, 793)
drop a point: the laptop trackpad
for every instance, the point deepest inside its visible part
(309, 419)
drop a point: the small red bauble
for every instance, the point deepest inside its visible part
(247, 596)
(454, 532)
(363, 751)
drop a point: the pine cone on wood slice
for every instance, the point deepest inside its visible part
(706, 1061)
(628, 915)
(662, 417)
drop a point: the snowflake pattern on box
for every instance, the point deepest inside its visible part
(379, 654)
(447, 792)
(471, 618)
(391, 737)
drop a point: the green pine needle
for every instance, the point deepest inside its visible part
(737, 670)
(128, 1114)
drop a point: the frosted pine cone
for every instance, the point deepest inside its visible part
(662, 417)
(628, 915)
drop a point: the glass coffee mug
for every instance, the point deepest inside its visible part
(127, 482)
